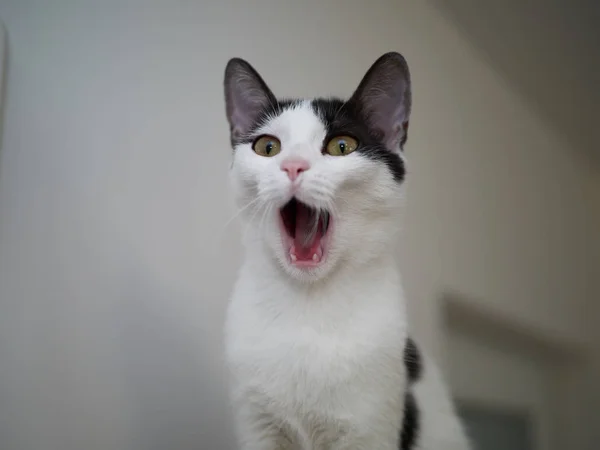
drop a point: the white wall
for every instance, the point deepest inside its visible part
(114, 261)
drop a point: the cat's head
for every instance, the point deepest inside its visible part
(319, 181)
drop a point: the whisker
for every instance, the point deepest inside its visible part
(237, 214)
(259, 208)
(267, 212)
(240, 211)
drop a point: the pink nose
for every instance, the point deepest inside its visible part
(294, 167)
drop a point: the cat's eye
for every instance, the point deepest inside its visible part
(341, 145)
(267, 146)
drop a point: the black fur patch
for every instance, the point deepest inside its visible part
(345, 118)
(410, 424)
(413, 361)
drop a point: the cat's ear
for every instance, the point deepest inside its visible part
(383, 98)
(246, 96)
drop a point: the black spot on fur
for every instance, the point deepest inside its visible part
(410, 424)
(345, 118)
(413, 361)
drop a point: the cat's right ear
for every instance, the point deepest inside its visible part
(246, 97)
(383, 98)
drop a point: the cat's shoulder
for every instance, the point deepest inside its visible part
(430, 419)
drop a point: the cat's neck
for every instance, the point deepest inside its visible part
(347, 282)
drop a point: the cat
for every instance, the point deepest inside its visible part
(316, 331)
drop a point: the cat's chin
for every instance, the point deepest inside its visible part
(305, 235)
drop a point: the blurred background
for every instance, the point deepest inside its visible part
(116, 264)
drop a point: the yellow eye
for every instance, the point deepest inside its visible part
(341, 146)
(267, 146)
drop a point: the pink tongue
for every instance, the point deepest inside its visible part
(304, 226)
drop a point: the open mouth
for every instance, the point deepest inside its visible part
(306, 230)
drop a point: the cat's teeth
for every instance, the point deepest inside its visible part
(293, 257)
(315, 257)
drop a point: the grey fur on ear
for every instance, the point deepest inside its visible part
(383, 98)
(246, 96)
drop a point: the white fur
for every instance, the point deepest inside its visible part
(316, 356)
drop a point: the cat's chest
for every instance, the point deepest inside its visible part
(312, 355)
(297, 345)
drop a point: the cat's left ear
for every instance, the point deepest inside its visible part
(383, 98)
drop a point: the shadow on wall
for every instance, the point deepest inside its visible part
(542, 49)
(502, 369)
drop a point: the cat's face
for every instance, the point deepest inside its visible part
(319, 181)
